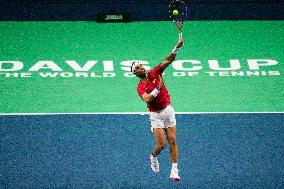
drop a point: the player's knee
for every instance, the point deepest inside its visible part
(172, 142)
(161, 145)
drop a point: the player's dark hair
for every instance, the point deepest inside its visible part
(132, 66)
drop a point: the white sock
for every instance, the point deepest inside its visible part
(174, 165)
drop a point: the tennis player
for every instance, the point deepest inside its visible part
(152, 90)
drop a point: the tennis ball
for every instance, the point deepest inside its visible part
(175, 12)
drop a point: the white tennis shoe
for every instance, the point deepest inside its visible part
(154, 164)
(174, 175)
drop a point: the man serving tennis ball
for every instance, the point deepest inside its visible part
(152, 90)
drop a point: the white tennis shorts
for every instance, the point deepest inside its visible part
(164, 118)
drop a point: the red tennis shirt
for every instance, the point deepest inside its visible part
(162, 100)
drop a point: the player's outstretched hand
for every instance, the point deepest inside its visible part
(180, 42)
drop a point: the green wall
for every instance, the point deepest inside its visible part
(31, 42)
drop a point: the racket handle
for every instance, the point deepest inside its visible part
(180, 35)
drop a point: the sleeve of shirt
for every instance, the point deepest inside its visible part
(140, 91)
(158, 70)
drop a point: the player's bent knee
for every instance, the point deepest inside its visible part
(172, 142)
(161, 145)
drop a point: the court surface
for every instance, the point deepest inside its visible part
(112, 151)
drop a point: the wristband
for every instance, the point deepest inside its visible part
(175, 50)
(155, 92)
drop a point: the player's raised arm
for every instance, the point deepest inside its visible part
(171, 57)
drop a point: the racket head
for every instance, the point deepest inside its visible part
(181, 7)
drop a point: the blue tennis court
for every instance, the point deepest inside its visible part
(112, 151)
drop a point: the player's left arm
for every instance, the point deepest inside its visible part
(171, 57)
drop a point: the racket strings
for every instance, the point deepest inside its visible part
(179, 24)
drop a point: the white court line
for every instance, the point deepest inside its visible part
(131, 113)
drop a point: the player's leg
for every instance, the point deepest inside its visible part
(160, 145)
(160, 139)
(171, 134)
(170, 124)
(159, 135)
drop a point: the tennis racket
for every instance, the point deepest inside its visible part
(178, 13)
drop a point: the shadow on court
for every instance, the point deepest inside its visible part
(112, 151)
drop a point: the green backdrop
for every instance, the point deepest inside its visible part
(30, 42)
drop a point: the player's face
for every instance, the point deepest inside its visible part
(140, 71)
